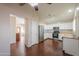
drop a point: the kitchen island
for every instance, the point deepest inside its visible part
(71, 45)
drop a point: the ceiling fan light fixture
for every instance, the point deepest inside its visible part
(77, 8)
(69, 10)
(33, 4)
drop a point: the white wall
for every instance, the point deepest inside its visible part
(28, 32)
(31, 29)
(12, 29)
(19, 20)
(5, 35)
(4, 32)
(34, 32)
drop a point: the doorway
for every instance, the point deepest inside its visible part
(17, 25)
(20, 29)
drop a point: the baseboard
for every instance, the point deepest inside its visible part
(35, 44)
(54, 39)
(60, 40)
(27, 46)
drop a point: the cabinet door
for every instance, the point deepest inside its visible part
(68, 46)
(76, 47)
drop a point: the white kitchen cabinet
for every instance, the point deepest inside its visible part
(47, 35)
(76, 47)
(71, 46)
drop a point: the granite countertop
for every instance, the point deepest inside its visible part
(67, 35)
(72, 38)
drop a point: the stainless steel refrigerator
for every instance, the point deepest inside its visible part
(40, 33)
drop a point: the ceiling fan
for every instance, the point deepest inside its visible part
(21, 4)
(49, 3)
(35, 7)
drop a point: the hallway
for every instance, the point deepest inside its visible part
(48, 47)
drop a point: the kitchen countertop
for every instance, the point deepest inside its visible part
(66, 35)
(71, 38)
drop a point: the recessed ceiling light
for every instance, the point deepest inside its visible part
(69, 10)
(33, 4)
(77, 8)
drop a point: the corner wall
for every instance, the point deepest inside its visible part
(76, 22)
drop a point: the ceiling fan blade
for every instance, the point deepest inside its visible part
(22, 4)
(49, 3)
(36, 8)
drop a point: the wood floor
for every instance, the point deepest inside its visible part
(46, 48)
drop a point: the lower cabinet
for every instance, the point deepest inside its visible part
(71, 46)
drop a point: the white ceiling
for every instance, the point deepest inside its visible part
(56, 12)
